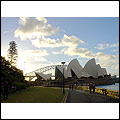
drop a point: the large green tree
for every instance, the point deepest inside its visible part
(12, 53)
(12, 75)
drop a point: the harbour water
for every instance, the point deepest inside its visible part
(111, 87)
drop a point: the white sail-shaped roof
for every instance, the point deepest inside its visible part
(61, 70)
(75, 67)
(44, 76)
(91, 68)
(100, 72)
(104, 71)
(84, 74)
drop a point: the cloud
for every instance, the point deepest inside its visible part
(46, 42)
(55, 53)
(36, 53)
(8, 31)
(115, 50)
(71, 41)
(105, 46)
(40, 59)
(33, 28)
(82, 52)
(105, 60)
(108, 60)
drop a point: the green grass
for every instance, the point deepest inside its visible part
(36, 95)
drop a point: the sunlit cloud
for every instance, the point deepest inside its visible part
(106, 46)
(56, 53)
(36, 53)
(28, 60)
(83, 52)
(105, 60)
(71, 41)
(40, 59)
(108, 60)
(46, 42)
(33, 28)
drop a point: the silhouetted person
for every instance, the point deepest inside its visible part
(5, 93)
(93, 88)
(90, 87)
(72, 86)
(105, 92)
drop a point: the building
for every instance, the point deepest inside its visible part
(42, 76)
(74, 72)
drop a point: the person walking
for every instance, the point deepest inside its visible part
(93, 88)
(69, 87)
(90, 88)
(72, 86)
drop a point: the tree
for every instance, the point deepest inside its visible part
(12, 75)
(12, 52)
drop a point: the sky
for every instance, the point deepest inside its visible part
(93, 33)
(44, 41)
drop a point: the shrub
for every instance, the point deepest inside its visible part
(19, 85)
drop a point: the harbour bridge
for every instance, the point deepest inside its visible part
(48, 69)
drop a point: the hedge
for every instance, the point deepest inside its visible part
(19, 85)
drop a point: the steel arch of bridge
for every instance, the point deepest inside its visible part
(32, 74)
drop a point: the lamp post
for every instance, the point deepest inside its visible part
(63, 77)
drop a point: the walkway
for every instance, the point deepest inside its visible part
(80, 96)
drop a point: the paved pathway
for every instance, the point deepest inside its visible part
(80, 96)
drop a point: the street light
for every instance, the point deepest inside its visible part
(63, 77)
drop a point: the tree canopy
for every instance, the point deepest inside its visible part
(12, 52)
(10, 73)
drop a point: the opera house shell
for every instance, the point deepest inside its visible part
(91, 68)
(75, 70)
(104, 71)
(43, 76)
(59, 72)
(100, 72)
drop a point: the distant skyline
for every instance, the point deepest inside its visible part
(51, 40)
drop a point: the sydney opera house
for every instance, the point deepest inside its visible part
(75, 70)
(74, 73)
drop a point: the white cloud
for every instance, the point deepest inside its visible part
(115, 50)
(82, 52)
(105, 46)
(9, 31)
(30, 60)
(35, 53)
(40, 59)
(71, 41)
(46, 42)
(106, 60)
(5, 32)
(55, 53)
(33, 28)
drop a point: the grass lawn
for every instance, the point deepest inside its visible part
(36, 95)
